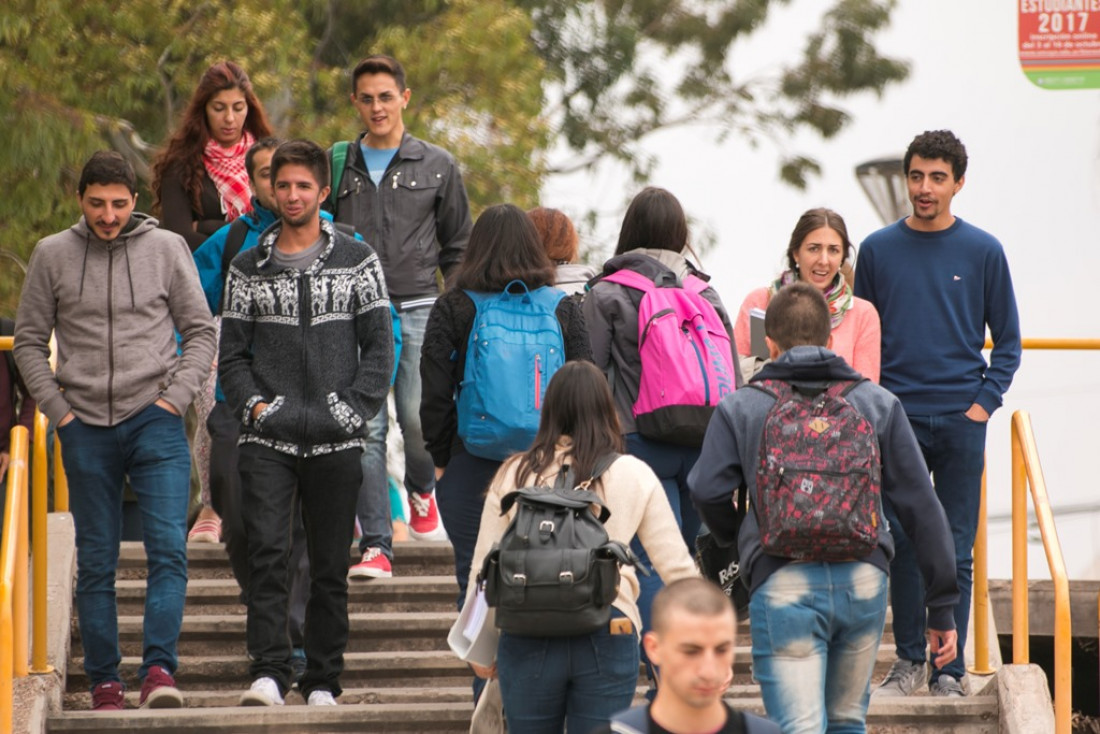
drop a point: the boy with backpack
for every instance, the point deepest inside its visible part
(818, 447)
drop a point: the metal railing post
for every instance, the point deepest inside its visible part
(981, 589)
(39, 553)
(1026, 458)
(17, 482)
(1020, 642)
(60, 482)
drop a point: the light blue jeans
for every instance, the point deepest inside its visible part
(373, 508)
(151, 449)
(816, 629)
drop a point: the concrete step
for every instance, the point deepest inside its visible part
(222, 596)
(396, 669)
(213, 634)
(229, 697)
(438, 718)
(208, 560)
(389, 669)
(973, 715)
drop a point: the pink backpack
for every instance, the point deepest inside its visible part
(687, 359)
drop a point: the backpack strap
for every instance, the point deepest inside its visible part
(631, 279)
(337, 162)
(234, 241)
(695, 284)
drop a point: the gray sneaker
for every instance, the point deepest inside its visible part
(946, 685)
(904, 678)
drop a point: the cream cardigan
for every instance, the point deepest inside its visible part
(638, 505)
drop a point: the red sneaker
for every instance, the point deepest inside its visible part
(108, 696)
(373, 566)
(424, 523)
(159, 691)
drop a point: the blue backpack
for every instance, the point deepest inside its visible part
(515, 347)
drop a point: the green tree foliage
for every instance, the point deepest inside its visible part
(517, 89)
(623, 69)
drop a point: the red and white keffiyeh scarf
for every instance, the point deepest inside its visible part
(229, 174)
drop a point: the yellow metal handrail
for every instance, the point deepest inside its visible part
(1087, 344)
(1027, 472)
(39, 553)
(980, 596)
(13, 578)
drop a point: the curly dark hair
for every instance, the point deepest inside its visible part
(942, 144)
(183, 152)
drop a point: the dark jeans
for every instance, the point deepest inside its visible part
(671, 464)
(225, 496)
(578, 682)
(151, 449)
(460, 495)
(272, 483)
(954, 449)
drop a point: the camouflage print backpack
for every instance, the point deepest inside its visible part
(819, 480)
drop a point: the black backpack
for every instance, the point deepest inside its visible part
(555, 572)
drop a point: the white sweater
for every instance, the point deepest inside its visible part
(638, 506)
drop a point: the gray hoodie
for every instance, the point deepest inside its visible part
(115, 307)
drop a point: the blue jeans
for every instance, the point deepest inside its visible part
(151, 449)
(954, 449)
(578, 682)
(373, 508)
(816, 629)
(671, 463)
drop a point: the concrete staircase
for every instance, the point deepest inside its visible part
(399, 675)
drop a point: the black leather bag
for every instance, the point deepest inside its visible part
(554, 572)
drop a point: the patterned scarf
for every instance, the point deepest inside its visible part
(838, 295)
(227, 171)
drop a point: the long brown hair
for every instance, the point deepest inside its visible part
(578, 404)
(183, 152)
(504, 246)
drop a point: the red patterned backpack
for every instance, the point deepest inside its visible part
(819, 480)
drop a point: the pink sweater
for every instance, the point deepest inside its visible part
(858, 338)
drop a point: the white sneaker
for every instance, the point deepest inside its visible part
(321, 697)
(263, 692)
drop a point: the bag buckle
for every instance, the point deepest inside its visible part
(520, 577)
(566, 577)
(546, 527)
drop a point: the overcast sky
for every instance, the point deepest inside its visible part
(1033, 181)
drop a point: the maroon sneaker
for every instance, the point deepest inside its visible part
(107, 696)
(159, 690)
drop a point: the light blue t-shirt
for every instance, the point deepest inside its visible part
(377, 159)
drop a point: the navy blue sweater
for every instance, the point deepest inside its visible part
(935, 293)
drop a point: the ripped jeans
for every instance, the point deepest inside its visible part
(816, 629)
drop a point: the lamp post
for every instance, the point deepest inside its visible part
(883, 180)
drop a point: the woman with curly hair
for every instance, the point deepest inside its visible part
(199, 179)
(200, 182)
